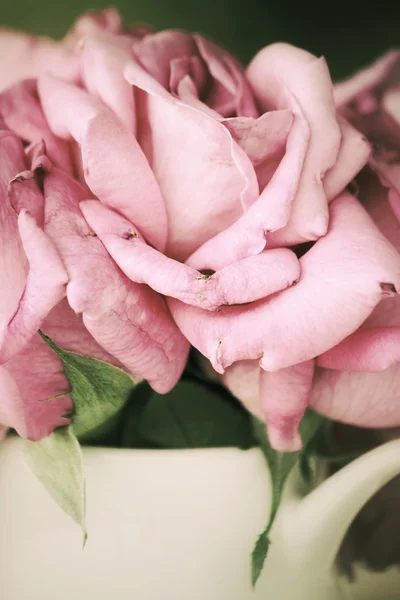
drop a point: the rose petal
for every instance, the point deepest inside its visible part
(366, 79)
(230, 94)
(353, 155)
(370, 349)
(363, 399)
(248, 280)
(13, 262)
(284, 397)
(129, 321)
(279, 398)
(279, 67)
(93, 22)
(115, 167)
(156, 51)
(21, 111)
(263, 139)
(103, 59)
(205, 178)
(270, 212)
(44, 288)
(23, 56)
(243, 380)
(344, 274)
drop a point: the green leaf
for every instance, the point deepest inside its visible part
(57, 463)
(193, 415)
(258, 555)
(131, 434)
(99, 390)
(280, 465)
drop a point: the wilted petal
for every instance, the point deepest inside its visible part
(248, 280)
(343, 277)
(115, 167)
(205, 177)
(128, 320)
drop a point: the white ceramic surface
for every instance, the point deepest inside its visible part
(181, 525)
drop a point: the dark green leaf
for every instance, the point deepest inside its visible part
(99, 390)
(280, 465)
(57, 463)
(131, 434)
(192, 415)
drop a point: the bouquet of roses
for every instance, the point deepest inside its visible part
(156, 197)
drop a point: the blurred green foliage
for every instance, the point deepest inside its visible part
(349, 33)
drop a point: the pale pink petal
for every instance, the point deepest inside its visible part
(21, 111)
(271, 211)
(103, 58)
(187, 67)
(353, 155)
(230, 94)
(264, 140)
(115, 167)
(343, 277)
(284, 396)
(279, 67)
(93, 22)
(45, 286)
(205, 177)
(23, 56)
(366, 79)
(363, 399)
(250, 279)
(278, 398)
(368, 349)
(128, 320)
(243, 380)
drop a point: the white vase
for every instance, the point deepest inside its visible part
(181, 525)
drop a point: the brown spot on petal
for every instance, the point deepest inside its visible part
(388, 289)
(206, 274)
(129, 235)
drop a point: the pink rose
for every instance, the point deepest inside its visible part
(212, 187)
(357, 381)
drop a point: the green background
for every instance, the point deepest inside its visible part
(348, 33)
